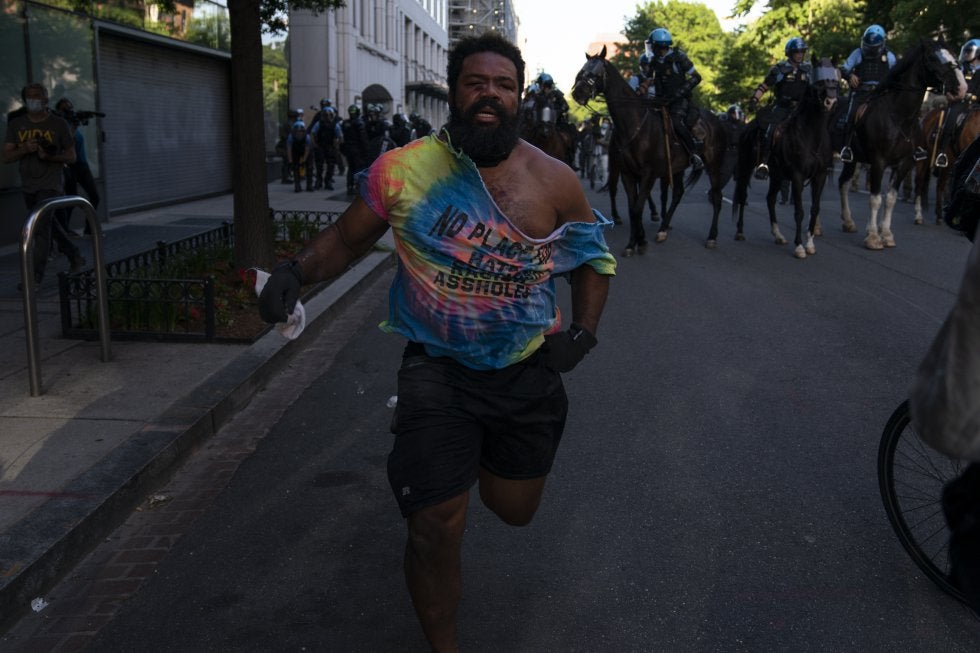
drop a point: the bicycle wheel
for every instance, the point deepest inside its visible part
(911, 476)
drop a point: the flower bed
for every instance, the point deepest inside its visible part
(187, 290)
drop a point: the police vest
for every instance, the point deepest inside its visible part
(667, 74)
(872, 70)
(791, 82)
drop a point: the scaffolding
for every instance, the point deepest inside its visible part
(474, 17)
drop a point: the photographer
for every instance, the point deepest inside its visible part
(77, 173)
(42, 145)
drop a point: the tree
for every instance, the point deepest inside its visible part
(249, 18)
(695, 30)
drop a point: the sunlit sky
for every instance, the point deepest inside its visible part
(554, 36)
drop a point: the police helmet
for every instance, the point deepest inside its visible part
(795, 44)
(969, 50)
(645, 60)
(735, 111)
(324, 103)
(660, 38)
(545, 80)
(299, 125)
(873, 39)
(353, 111)
(329, 110)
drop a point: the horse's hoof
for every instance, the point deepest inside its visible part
(711, 244)
(818, 231)
(873, 242)
(740, 236)
(849, 227)
(811, 250)
(799, 252)
(780, 240)
(888, 240)
(919, 221)
(661, 236)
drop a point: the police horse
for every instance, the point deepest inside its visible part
(646, 150)
(540, 129)
(965, 132)
(801, 152)
(885, 129)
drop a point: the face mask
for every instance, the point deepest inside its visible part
(34, 105)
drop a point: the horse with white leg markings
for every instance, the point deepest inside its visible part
(885, 130)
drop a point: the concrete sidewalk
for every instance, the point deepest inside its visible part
(77, 459)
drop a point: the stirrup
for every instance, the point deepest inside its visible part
(846, 156)
(920, 154)
(762, 172)
(941, 161)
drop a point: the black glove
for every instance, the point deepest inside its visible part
(563, 350)
(278, 298)
(753, 104)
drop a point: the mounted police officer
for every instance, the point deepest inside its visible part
(548, 93)
(674, 77)
(969, 64)
(864, 69)
(788, 80)
(642, 81)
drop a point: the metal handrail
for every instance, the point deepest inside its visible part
(27, 272)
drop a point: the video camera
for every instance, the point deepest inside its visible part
(76, 118)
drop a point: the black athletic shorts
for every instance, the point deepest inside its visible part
(450, 420)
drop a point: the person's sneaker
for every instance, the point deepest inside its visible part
(846, 155)
(762, 172)
(941, 160)
(77, 264)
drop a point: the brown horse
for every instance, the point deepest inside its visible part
(540, 129)
(884, 130)
(967, 130)
(646, 149)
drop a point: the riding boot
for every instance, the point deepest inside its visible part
(846, 155)
(690, 144)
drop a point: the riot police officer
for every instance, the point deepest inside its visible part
(355, 145)
(969, 63)
(864, 69)
(788, 80)
(674, 77)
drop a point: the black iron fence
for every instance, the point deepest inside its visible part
(161, 294)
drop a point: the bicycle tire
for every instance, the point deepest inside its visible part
(911, 476)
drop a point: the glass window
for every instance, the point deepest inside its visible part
(61, 59)
(13, 76)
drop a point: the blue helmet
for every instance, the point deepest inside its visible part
(660, 38)
(969, 50)
(645, 60)
(795, 44)
(873, 39)
(545, 80)
(299, 124)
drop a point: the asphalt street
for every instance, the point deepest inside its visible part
(715, 489)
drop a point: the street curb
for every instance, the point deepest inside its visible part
(58, 534)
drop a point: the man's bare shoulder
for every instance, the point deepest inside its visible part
(543, 166)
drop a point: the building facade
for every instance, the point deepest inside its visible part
(388, 52)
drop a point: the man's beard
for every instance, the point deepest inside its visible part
(487, 145)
